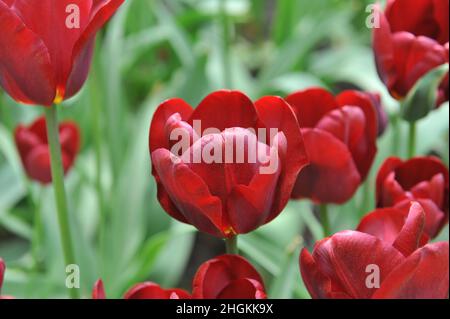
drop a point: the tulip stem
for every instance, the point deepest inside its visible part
(51, 115)
(325, 220)
(232, 245)
(412, 139)
(227, 72)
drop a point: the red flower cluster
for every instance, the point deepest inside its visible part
(229, 195)
(385, 258)
(340, 137)
(421, 179)
(34, 150)
(411, 41)
(55, 49)
(224, 277)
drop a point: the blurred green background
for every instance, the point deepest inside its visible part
(153, 50)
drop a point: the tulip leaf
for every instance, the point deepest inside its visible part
(422, 98)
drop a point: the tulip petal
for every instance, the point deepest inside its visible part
(311, 105)
(243, 289)
(101, 11)
(332, 176)
(99, 291)
(69, 136)
(386, 169)
(150, 290)
(189, 193)
(225, 109)
(409, 238)
(51, 24)
(38, 165)
(27, 76)
(435, 219)
(275, 113)
(216, 274)
(423, 275)
(364, 149)
(345, 256)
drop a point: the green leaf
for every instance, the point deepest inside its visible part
(422, 98)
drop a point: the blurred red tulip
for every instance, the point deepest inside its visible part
(34, 150)
(226, 196)
(340, 137)
(147, 290)
(383, 119)
(421, 179)
(412, 39)
(47, 46)
(228, 277)
(352, 264)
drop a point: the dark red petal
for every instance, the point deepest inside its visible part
(25, 69)
(410, 236)
(386, 169)
(25, 141)
(99, 291)
(243, 289)
(69, 135)
(275, 113)
(364, 149)
(345, 256)
(423, 275)
(150, 290)
(225, 109)
(158, 135)
(249, 206)
(420, 18)
(311, 105)
(332, 176)
(216, 274)
(414, 57)
(189, 193)
(50, 25)
(435, 219)
(37, 164)
(433, 189)
(101, 11)
(420, 169)
(318, 285)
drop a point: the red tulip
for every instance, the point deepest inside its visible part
(34, 150)
(421, 179)
(412, 39)
(228, 277)
(147, 290)
(340, 137)
(352, 264)
(47, 46)
(382, 116)
(226, 195)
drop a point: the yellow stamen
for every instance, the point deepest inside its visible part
(59, 95)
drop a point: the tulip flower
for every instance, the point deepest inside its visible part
(421, 179)
(382, 116)
(351, 264)
(411, 40)
(223, 179)
(147, 290)
(47, 46)
(32, 144)
(228, 277)
(340, 137)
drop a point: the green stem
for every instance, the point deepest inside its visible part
(324, 218)
(227, 72)
(51, 115)
(232, 245)
(412, 139)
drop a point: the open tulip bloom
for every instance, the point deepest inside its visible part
(380, 263)
(412, 39)
(222, 178)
